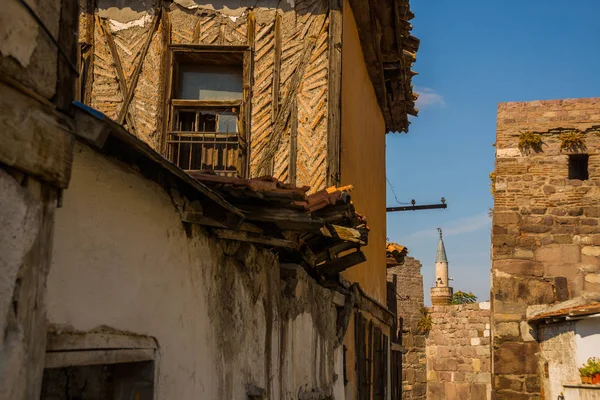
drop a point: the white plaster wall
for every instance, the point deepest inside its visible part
(122, 259)
(558, 348)
(587, 338)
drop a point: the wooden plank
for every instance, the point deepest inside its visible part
(255, 238)
(34, 139)
(110, 41)
(340, 264)
(284, 218)
(292, 172)
(276, 69)
(344, 233)
(370, 360)
(138, 68)
(206, 103)
(67, 39)
(63, 359)
(207, 48)
(334, 93)
(167, 82)
(97, 341)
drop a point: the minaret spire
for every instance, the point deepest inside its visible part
(441, 250)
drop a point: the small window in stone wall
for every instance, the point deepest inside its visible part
(578, 166)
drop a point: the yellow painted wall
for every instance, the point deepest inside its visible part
(363, 157)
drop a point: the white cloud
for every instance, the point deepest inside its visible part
(429, 98)
(453, 228)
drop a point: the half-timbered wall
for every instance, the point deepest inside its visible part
(127, 77)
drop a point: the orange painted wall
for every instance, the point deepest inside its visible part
(363, 157)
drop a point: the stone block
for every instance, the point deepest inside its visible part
(507, 330)
(532, 384)
(592, 278)
(476, 365)
(483, 377)
(506, 218)
(463, 390)
(509, 383)
(520, 267)
(528, 333)
(591, 211)
(436, 390)
(593, 251)
(516, 358)
(522, 291)
(558, 254)
(480, 391)
(450, 390)
(475, 341)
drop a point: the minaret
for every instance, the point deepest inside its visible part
(441, 294)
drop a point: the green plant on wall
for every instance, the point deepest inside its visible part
(425, 322)
(463, 298)
(493, 182)
(530, 140)
(572, 141)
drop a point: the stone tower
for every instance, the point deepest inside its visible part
(441, 293)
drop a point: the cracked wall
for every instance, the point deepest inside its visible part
(224, 320)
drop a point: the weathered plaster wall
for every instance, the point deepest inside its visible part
(221, 315)
(405, 287)
(546, 232)
(458, 353)
(35, 154)
(557, 350)
(363, 141)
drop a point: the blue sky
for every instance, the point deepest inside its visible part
(473, 55)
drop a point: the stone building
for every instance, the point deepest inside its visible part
(406, 299)
(157, 279)
(545, 240)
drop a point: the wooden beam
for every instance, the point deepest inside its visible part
(97, 341)
(34, 138)
(138, 68)
(334, 93)
(344, 233)
(67, 38)
(276, 69)
(285, 219)
(110, 41)
(342, 263)
(167, 84)
(63, 359)
(292, 174)
(255, 238)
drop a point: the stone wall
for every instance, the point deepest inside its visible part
(405, 289)
(458, 353)
(546, 232)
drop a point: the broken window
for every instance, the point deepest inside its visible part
(99, 382)
(99, 366)
(578, 166)
(206, 127)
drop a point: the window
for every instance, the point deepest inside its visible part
(206, 128)
(578, 166)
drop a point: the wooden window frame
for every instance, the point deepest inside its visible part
(177, 53)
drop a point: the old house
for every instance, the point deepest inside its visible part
(206, 243)
(546, 247)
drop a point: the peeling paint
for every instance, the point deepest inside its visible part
(116, 26)
(18, 32)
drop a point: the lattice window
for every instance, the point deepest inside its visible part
(207, 107)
